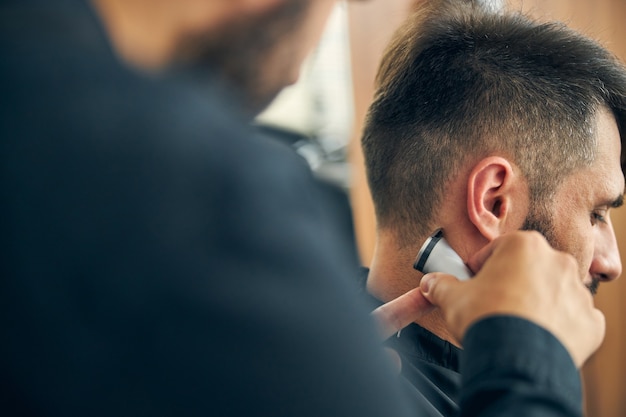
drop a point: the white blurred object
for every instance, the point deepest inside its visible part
(320, 104)
(495, 5)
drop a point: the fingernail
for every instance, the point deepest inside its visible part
(426, 282)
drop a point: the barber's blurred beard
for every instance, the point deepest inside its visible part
(238, 52)
(539, 219)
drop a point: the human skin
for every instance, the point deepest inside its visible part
(520, 274)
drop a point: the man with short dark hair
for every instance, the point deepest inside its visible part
(160, 259)
(484, 123)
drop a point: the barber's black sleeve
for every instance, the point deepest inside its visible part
(512, 367)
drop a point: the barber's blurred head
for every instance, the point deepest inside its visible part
(256, 46)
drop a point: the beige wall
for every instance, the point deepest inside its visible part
(372, 24)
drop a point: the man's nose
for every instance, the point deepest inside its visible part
(606, 264)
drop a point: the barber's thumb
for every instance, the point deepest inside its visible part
(436, 286)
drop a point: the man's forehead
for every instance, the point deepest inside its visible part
(602, 183)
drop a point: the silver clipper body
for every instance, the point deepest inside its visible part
(436, 255)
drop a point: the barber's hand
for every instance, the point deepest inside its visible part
(399, 313)
(521, 275)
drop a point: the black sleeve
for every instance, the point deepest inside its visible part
(160, 260)
(511, 367)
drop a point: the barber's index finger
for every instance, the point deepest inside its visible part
(399, 313)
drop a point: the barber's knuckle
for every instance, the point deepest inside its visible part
(569, 263)
(515, 239)
(531, 238)
(527, 242)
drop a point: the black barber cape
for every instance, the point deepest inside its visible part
(158, 259)
(430, 365)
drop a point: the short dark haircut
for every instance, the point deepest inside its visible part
(460, 82)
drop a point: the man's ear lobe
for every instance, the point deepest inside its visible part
(490, 188)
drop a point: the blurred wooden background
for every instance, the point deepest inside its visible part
(371, 26)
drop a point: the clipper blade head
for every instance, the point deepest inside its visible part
(436, 255)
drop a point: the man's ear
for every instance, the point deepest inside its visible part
(496, 197)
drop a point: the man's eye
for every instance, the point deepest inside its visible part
(598, 217)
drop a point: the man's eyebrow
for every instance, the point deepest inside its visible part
(618, 202)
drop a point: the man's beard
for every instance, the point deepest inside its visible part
(539, 220)
(237, 53)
